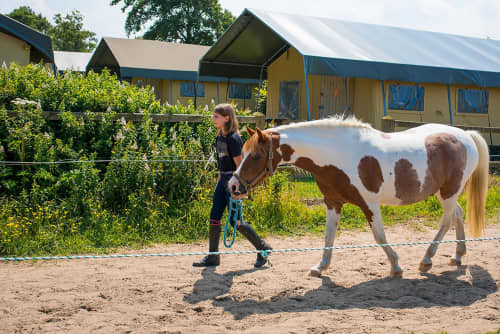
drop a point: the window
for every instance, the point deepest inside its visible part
(153, 83)
(473, 101)
(289, 100)
(240, 91)
(406, 97)
(188, 89)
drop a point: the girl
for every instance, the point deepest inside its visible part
(228, 148)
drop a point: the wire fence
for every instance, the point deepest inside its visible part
(263, 252)
(306, 186)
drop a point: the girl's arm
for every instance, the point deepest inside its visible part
(237, 160)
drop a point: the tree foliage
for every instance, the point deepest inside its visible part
(184, 21)
(26, 15)
(67, 34)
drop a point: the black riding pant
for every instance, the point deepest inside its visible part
(221, 199)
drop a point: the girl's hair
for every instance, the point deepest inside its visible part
(231, 125)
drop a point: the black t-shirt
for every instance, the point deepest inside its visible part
(227, 148)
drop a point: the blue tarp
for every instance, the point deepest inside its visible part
(473, 101)
(406, 97)
(188, 88)
(237, 91)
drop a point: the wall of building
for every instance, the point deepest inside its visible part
(288, 67)
(170, 91)
(14, 50)
(365, 105)
(366, 99)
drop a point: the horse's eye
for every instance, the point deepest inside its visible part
(256, 156)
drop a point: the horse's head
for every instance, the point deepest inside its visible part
(260, 160)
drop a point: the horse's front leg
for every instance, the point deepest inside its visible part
(332, 218)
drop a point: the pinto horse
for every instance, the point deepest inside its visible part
(355, 163)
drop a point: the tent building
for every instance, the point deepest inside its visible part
(23, 45)
(318, 67)
(71, 61)
(172, 70)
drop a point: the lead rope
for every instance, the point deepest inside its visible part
(235, 210)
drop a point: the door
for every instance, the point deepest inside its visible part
(334, 96)
(289, 100)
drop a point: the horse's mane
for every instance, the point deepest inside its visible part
(252, 144)
(331, 122)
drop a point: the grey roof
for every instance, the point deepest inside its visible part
(71, 61)
(150, 59)
(352, 49)
(41, 43)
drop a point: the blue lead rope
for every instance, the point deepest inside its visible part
(235, 210)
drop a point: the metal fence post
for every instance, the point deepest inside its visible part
(388, 124)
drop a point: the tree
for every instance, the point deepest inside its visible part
(184, 21)
(26, 15)
(68, 33)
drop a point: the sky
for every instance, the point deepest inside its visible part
(476, 18)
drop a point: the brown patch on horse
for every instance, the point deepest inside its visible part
(446, 159)
(253, 145)
(407, 183)
(287, 152)
(370, 173)
(276, 144)
(335, 186)
(258, 147)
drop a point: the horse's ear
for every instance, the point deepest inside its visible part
(260, 134)
(250, 131)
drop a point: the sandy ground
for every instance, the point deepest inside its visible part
(168, 295)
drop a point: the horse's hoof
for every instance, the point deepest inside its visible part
(425, 267)
(315, 272)
(455, 262)
(397, 274)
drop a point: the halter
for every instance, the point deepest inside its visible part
(268, 170)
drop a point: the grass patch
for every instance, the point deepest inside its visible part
(276, 209)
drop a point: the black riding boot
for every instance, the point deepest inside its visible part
(212, 259)
(258, 243)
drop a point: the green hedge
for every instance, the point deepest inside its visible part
(96, 204)
(90, 206)
(76, 92)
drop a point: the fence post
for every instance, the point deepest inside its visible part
(260, 121)
(388, 124)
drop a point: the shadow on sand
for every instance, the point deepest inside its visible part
(431, 290)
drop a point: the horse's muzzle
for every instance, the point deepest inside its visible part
(236, 189)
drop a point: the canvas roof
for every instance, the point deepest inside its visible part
(351, 49)
(41, 43)
(71, 61)
(149, 59)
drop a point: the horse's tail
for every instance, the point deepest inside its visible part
(477, 188)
